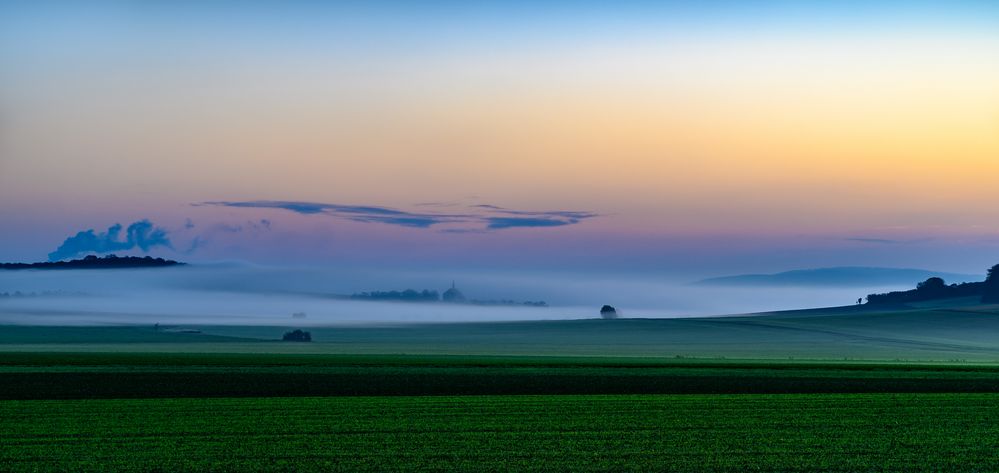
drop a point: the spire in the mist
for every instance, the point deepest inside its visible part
(453, 294)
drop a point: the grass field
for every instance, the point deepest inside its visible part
(954, 332)
(137, 375)
(827, 432)
(849, 389)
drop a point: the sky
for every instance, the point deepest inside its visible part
(691, 137)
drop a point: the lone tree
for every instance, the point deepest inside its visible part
(297, 336)
(991, 293)
(608, 312)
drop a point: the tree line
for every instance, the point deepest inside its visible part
(410, 295)
(428, 295)
(936, 288)
(93, 262)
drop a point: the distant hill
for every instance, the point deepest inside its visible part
(846, 276)
(93, 262)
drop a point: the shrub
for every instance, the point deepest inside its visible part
(297, 336)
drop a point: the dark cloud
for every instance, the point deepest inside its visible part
(415, 221)
(480, 217)
(299, 207)
(359, 213)
(496, 223)
(142, 235)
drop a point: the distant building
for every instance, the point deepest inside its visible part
(453, 295)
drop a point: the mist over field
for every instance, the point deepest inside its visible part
(259, 295)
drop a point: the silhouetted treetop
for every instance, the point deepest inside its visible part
(990, 291)
(94, 262)
(931, 289)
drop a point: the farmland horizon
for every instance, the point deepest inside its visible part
(499, 235)
(234, 293)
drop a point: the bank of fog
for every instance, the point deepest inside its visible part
(245, 294)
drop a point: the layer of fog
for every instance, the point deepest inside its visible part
(253, 295)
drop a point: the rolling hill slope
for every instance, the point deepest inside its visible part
(955, 330)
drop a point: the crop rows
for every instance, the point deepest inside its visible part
(950, 432)
(104, 376)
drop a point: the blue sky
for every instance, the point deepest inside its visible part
(762, 135)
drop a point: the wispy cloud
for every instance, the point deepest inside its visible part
(144, 235)
(565, 214)
(255, 225)
(476, 218)
(208, 233)
(873, 240)
(496, 223)
(886, 241)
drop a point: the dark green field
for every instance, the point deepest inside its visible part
(824, 432)
(274, 412)
(913, 389)
(136, 375)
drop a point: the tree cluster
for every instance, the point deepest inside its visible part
(40, 294)
(508, 302)
(936, 288)
(94, 262)
(990, 291)
(297, 336)
(410, 295)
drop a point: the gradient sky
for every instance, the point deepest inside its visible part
(695, 136)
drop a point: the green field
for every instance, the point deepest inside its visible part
(955, 331)
(882, 432)
(848, 389)
(135, 375)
